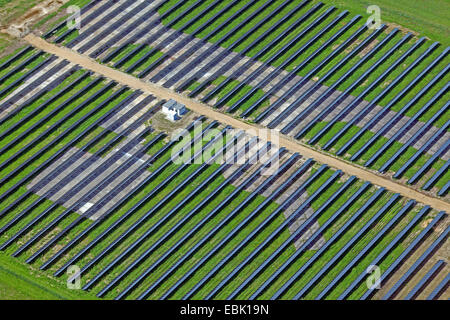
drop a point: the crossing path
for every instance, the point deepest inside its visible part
(200, 108)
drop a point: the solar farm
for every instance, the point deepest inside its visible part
(88, 176)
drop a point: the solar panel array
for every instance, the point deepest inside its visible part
(87, 180)
(305, 69)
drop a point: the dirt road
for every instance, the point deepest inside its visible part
(203, 109)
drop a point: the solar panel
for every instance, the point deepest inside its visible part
(144, 58)
(279, 53)
(130, 230)
(297, 69)
(292, 57)
(218, 226)
(399, 114)
(336, 236)
(391, 103)
(342, 251)
(197, 226)
(380, 96)
(417, 264)
(204, 56)
(244, 51)
(386, 274)
(425, 280)
(145, 31)
(301, 229)
(287, 128)
(373, 85)
(408, 124)
(363, 253)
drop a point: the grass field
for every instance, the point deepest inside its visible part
(20, 282)
(427, 17)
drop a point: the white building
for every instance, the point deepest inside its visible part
(173, 110)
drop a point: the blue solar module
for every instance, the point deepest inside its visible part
(39, 108)
(387, 273)
(249, 217)
(125, 34)
(26, 75)
(278, 53)
(256, 56)
(343, 251)
(274, 42)
(300, 250)
(406, 126)
(50, 129)
(440, 288)
(235, 44)
(353, 86)
(16, 57)
(425, 280)
(373, 85)
(444, 190)
(429, 163)
(399, 237)
(100, 23)
(31, 85)
(25, 211)
(203, 56)
(363, 253)
(133, 39)
(316, 86)
(379, 97)
(179, 31)
(137, 206)
(217, 227)
(187, 236)
(72, 159)
(299, 67)
(243, 52)
(417, 265)
(179, 223)
(284, 225)
(156, 226)
(79, 204)
(336, 236)
(401, 113)
(61, 25)
(422, 149)
(87, 19)
(124, 20)
(419, 133)
(292, 57)
(91, 210)
(300, 190)
(287, 128)
(215, 31)
(391, 103)
(148, 214)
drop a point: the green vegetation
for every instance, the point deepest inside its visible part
(11, 10)
(20, 282)
(427, 17)
(137, 57)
